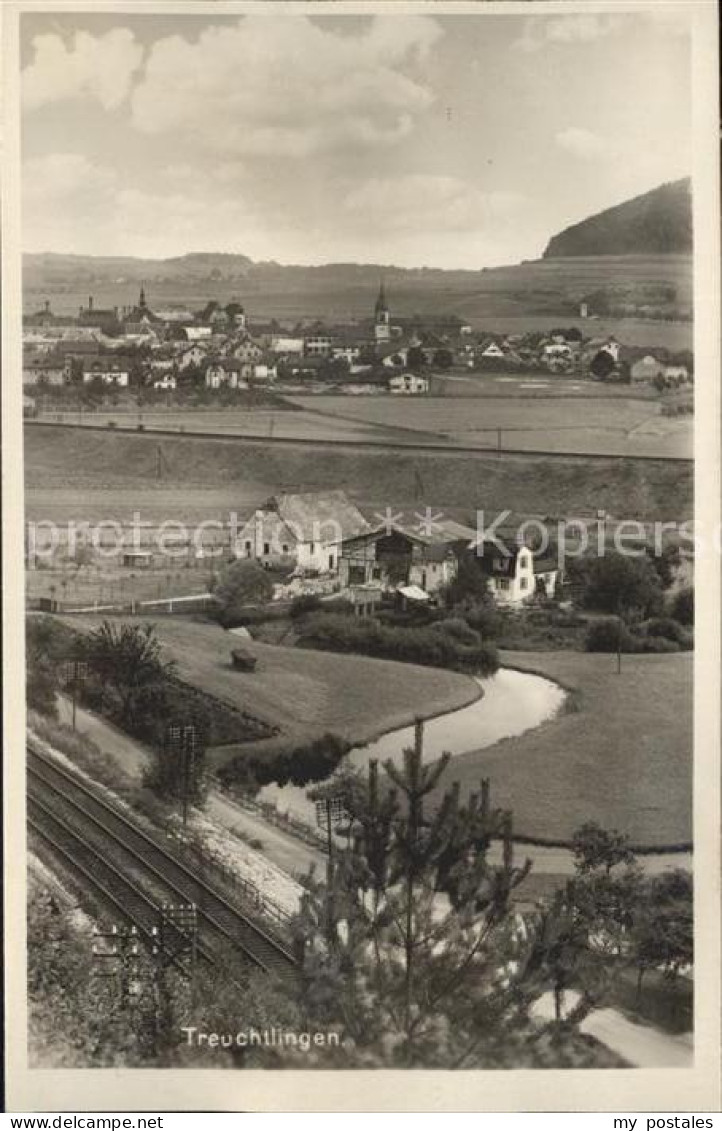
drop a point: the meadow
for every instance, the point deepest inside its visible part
(307, 693)
(94, 475)
(574, 422)
(621, 754)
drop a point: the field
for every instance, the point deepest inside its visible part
(308, 693)
(94, 475)
(618, 425)
(622, 756)
(527, 296)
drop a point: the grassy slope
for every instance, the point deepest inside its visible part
(210, 476)
(307, 693)
(622, 755)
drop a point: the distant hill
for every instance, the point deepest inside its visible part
(598, 263)
(657, 223)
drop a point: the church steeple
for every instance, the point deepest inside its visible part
(141, 302)
(382, 318)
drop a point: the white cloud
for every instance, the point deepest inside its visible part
(424, 203)
(583, 143)
(71, 204)
(540, 31)
(288, 86)
(99, 68)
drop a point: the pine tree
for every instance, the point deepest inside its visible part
(410, 947)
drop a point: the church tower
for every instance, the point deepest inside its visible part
(382, 318)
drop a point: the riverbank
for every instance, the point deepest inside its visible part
(620, 754)
(303, 692)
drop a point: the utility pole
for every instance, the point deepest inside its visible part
(76, 673)
(180, 741)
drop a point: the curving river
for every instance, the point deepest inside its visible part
(512, 703)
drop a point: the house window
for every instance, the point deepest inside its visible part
(311, 547)
(503, 583)
(266, 549)
(249, 547)
(523, 583)
(331, 561)
(284, 547)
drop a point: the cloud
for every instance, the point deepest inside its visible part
(583, 143)
(424, 203)
(287, 86)
(95, 67)
(540, 32)
(71, 204)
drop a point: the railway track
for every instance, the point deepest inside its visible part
(134, 872)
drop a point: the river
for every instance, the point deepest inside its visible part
(512, 702)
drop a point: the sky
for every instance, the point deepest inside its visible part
(454, 141)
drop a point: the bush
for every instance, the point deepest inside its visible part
(665, 626)
(424, 645)
(459, 630)
(609, 636)
(657, 645)
(311, 762)
(305, 604)
(683, 606)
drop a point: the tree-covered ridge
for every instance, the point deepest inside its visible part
(655, 223)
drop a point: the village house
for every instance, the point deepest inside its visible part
(192, 357)
(305, 531)
(676, 374)
(646, 368)
(410, 384)
(396, 558)
(166, 381)
(244, 349)
(519, 575)
(110, 369)
(283, 344)
(44, 369)
(224, 373)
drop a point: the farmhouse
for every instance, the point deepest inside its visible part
(110, 369)
(303, 530)
(393, 557)
(43, 370)
(519, 575)
(408, 383)
(224, 373)
(646, 369)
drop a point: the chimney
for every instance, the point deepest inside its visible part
(90, 302)
(47, 306)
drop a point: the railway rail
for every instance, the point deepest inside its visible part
(133, 871)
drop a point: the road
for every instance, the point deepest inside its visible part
(642, 1046)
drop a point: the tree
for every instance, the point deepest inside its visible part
(620, 584)
(602, 365)
(595, 847)
(664, 926)
(443, 359)
(241, 584)
(683, 606)
(411, 946)
(415, 358)
(127, 659)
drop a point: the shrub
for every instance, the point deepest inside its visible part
(423, 645)
(609, 636)
(458, 628)
(683, 606)
(305, 604)
(665, 626)
(657, 645)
